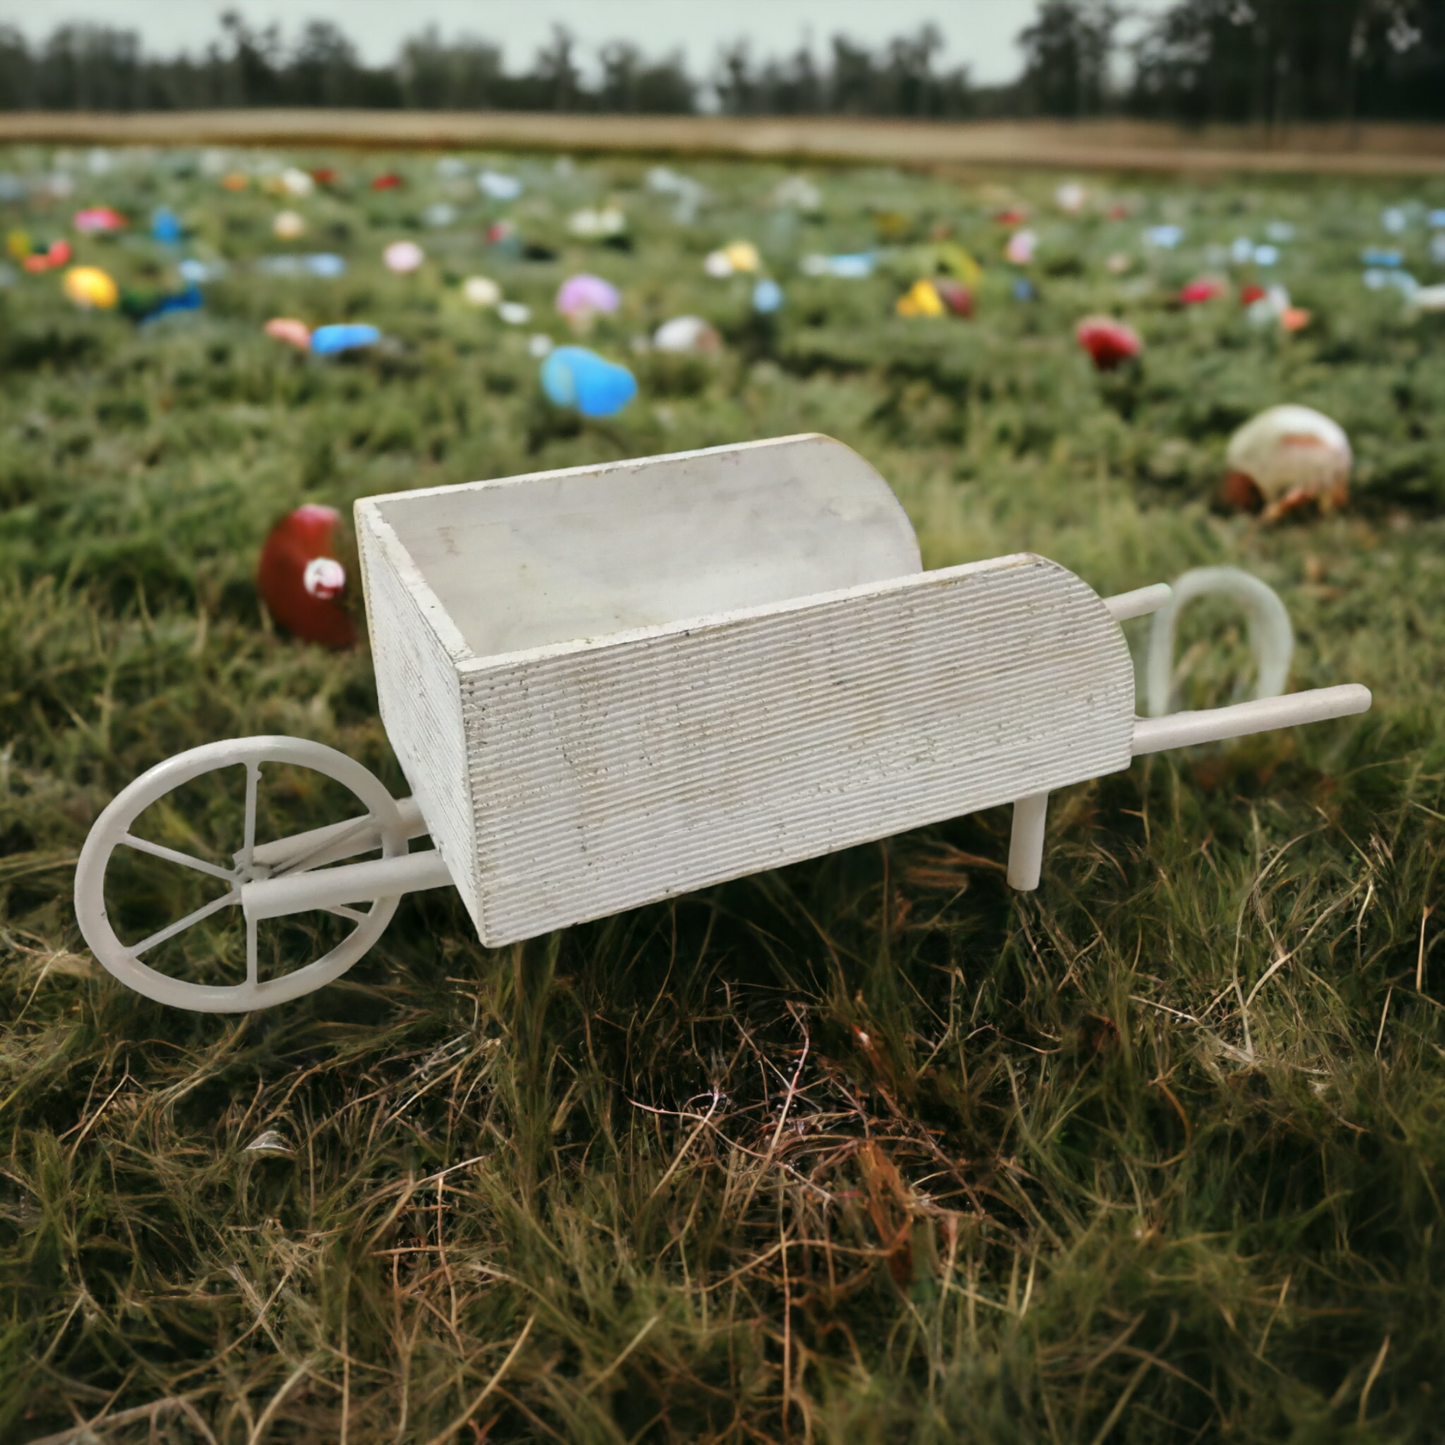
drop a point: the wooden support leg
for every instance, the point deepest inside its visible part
(1026, 844)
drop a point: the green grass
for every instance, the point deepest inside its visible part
(869, 1149)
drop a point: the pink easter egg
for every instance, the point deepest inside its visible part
(403, 257)
(292, 332)
(585, 295)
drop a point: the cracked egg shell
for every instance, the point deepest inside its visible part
(1285, 458)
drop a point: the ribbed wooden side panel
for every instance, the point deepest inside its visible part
(616, 774)
(419, 693)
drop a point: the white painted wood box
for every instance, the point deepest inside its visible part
(615, 684)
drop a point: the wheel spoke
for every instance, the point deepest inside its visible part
(182, 924)
(171, 855)
(253, 777)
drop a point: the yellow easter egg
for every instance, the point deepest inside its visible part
(743, 255)
(922, 299)
(89, 286)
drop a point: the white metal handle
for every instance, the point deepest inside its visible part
(1140, 602)
(1178, 730)
(1270, 633)
(1181, 729)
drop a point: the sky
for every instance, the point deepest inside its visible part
(978, 33)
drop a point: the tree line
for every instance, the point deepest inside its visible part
(1259, 62)
(1263, 62)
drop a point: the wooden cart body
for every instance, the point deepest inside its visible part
(615, 684)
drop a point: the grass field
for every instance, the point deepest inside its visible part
(867, 1150)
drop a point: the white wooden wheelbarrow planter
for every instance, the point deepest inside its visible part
(616, 684)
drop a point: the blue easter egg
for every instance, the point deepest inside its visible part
(166, 225)
(575, 376)
(328, 340)
(188, 300)
(1023, 289)
(767, 297)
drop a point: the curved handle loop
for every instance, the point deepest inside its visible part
(1270, 634)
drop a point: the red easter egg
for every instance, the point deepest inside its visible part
(57, 254)
(1250, 294)
(956, 296)
(1107, 341)
(1204, 288)
(300, 580)
(389, 182)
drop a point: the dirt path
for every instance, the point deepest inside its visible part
(1093, 145)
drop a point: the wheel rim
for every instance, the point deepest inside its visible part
(112, 830)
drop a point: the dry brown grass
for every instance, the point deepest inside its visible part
(1366, 150)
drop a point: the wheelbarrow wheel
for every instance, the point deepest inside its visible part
(113, 830)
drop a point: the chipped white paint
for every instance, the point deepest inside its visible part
(615, 684)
